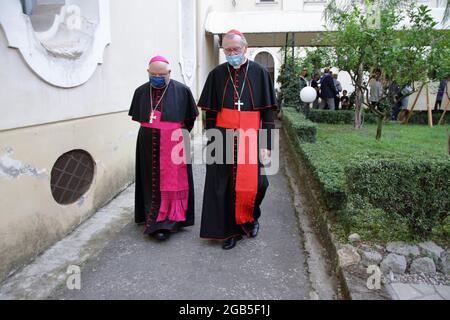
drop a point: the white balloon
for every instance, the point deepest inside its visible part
(308, 94)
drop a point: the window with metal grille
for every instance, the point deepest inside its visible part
(72, 176)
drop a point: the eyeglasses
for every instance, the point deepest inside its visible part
(229, 51)
(158, 74)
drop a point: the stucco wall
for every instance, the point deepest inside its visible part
(41, 122)
(30, 219)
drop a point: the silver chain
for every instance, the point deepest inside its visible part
(151, 98)
(232, 81)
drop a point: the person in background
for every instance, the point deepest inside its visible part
(394, 93)
(315, 85)
(440, 94)
(404, 101)
(338, 86)
(302, 84)
(328, 91)
(376, 91)
(345, 101)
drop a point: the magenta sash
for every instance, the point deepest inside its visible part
(173, 179)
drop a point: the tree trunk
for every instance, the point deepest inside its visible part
(358, 98)
(379, 127)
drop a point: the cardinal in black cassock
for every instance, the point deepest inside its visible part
(164, 195)
(237, 95)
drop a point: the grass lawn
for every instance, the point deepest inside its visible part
(338, 145)
(398, 139)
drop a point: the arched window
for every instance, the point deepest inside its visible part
(266, 60)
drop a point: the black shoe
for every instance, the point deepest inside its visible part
(231, 242)
(161, 236)
(255, 230)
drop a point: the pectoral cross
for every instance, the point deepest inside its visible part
(152, 117)
(239, 104)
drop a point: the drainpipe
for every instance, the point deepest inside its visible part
(293, 47)
(285, 48)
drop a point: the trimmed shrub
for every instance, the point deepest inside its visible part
(348, 117)
(421, 117)
(417, 190)
(338, 116)
(300, 130)
(329, 176)
(298, 126)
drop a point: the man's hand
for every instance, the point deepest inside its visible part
(265, 156)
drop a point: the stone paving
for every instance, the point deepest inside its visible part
(405, 291)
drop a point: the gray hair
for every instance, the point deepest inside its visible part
(233, 35)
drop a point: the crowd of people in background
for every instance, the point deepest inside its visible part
(331, 96)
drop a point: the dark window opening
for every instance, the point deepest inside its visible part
(72, 176)
(266, 60)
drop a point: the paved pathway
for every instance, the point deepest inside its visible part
(405, 291)
(271, 266)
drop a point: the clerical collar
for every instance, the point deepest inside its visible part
(244, 65)
(158, 89)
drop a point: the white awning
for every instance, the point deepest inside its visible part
(269, 28)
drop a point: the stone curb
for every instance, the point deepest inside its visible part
(352, 279)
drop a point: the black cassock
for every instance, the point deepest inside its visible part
(218, 214)
(177, 105)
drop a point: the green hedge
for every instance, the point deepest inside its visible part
(329, 177)
(338, 116)
(417, 190)
(298, 126)
(348, 117)
(301, 130)
(421, 117)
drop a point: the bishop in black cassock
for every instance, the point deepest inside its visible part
(164, 194)
(236, 89)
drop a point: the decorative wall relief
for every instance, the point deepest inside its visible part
(62, 41)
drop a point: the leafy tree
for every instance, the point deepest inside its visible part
(288, 94)
(318, 58)
(396, 39)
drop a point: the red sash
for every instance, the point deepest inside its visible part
(247, 169)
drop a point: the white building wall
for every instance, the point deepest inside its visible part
(40, 122)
